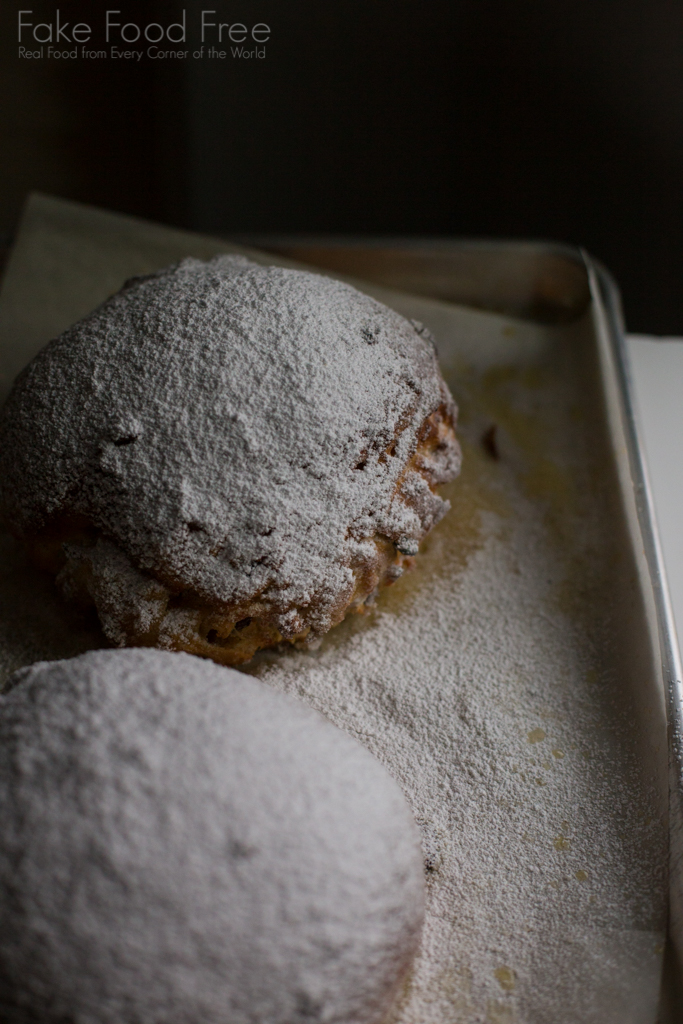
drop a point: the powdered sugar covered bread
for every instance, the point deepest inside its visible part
(225, 455)
(180, 843)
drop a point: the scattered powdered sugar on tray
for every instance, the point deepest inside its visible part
(498, 709)
(527, 868)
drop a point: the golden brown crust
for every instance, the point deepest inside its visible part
(179, 619)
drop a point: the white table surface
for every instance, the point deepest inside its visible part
(657, 373)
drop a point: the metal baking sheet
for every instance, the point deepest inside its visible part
(551, 625)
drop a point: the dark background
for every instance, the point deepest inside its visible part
(549, 120)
